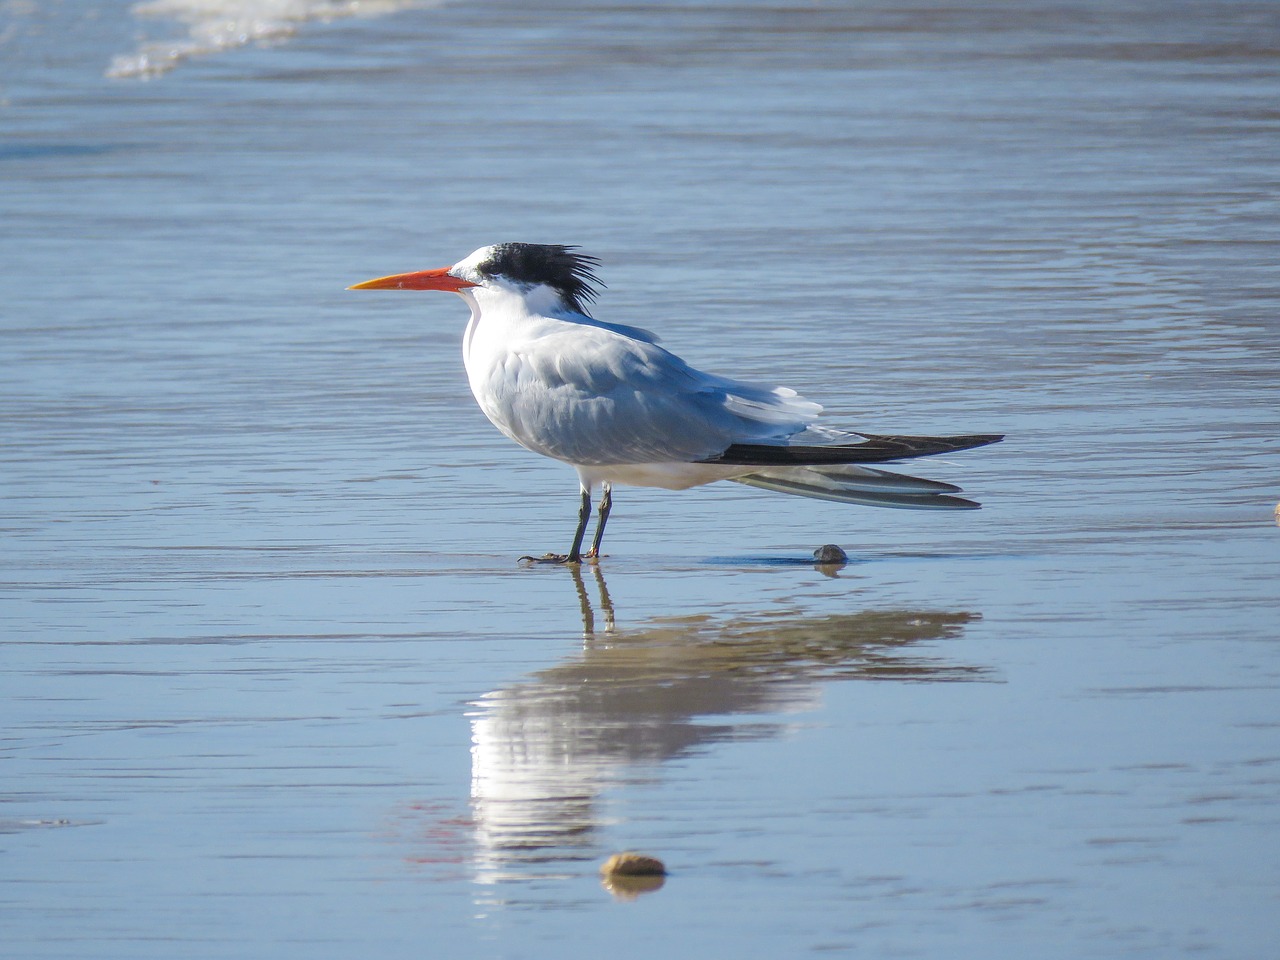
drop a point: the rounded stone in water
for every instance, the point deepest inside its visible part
(630, 864)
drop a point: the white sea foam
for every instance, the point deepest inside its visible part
(216, 25)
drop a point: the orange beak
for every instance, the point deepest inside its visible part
(421, 280)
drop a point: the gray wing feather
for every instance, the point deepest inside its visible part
(598, 397)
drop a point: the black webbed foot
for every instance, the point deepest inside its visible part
(561, 558)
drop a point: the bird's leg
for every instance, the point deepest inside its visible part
(606, 504)
(584, 514)
(575, 552)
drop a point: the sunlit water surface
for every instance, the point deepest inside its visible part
(274, 684)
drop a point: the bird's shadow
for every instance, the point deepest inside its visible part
(851, 560)
(829, 569)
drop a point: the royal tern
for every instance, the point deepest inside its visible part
(617, 407)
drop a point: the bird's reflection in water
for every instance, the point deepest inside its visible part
(584, 601)
(543, 750)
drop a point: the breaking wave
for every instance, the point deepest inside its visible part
(213, 26)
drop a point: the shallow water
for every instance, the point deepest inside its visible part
(274, 684)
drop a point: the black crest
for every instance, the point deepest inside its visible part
(554, 264)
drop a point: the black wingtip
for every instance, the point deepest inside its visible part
(877, 448)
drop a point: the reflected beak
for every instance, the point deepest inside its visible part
(421, 280)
